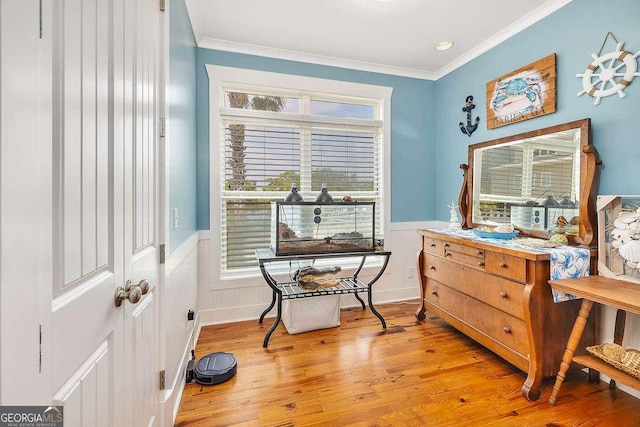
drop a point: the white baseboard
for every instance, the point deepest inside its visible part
(232, 314)
(180, 380)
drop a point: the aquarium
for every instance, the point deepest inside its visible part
(317, 228)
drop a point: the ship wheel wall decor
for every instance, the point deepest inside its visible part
(610, 73)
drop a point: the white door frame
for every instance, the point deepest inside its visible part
(25, 204)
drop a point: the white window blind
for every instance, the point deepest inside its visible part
(264, 153)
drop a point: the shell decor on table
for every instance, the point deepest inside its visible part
(504, 228)
(625, 237)
(559, 239)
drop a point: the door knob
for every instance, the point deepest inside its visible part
(144, 286)
(130, 292)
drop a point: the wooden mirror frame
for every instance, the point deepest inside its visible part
(589, 170)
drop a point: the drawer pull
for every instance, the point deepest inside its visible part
(503, 265)
(480, 263)
(432, 267)
(446, 245)
(479, 253)
(446, 254)
(433, 245)
(434, 293)
(507, 330)
(503, 294)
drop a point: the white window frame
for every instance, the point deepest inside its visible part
(221, 77)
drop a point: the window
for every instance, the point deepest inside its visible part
(271, 131)
(516, 182)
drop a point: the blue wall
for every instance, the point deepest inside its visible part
(181, 124)
(427, 146)
(573, 33)
(412, 129)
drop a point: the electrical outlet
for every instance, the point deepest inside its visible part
(411, 272)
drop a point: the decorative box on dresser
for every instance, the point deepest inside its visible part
(500, 297)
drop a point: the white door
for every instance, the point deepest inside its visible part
(141, 76)
(86, 196)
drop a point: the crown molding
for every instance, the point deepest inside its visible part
(330, 61)
(250, 49)
(526, 21)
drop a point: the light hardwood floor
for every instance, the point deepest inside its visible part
(416, 374)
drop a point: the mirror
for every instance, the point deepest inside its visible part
(532, 179)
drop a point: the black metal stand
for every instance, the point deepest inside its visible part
(291, 290)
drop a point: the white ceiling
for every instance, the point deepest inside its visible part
(392, 36)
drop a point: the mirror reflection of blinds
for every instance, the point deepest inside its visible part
(513, 174)
(261, 162)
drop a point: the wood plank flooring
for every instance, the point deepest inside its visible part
(416, 374)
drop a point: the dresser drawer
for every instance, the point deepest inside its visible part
(464, 258)
(432, 265)
(433, 246)
(498, 292)
(465, 250)
(500, 326)
(506, 266)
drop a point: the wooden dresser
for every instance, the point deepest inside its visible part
(500, 297)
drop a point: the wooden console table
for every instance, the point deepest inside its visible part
(291, 290)
(624, 296)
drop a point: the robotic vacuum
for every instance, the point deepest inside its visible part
(215, 368)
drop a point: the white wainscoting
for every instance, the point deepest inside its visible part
(223, 301)
(180, 295)
(85, 395)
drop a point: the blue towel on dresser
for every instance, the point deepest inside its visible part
(567, 262)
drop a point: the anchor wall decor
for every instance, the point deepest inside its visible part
(470, 128)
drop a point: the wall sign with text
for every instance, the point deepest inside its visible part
(523, 94)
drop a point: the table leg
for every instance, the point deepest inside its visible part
(273, 302)
(370, 285)
(359, 299)
(420, 312)
(618, 335)
(275, 323)
(274, 287)
(374, 311)
(574, 339)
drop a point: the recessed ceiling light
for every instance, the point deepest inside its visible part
(444, 45)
